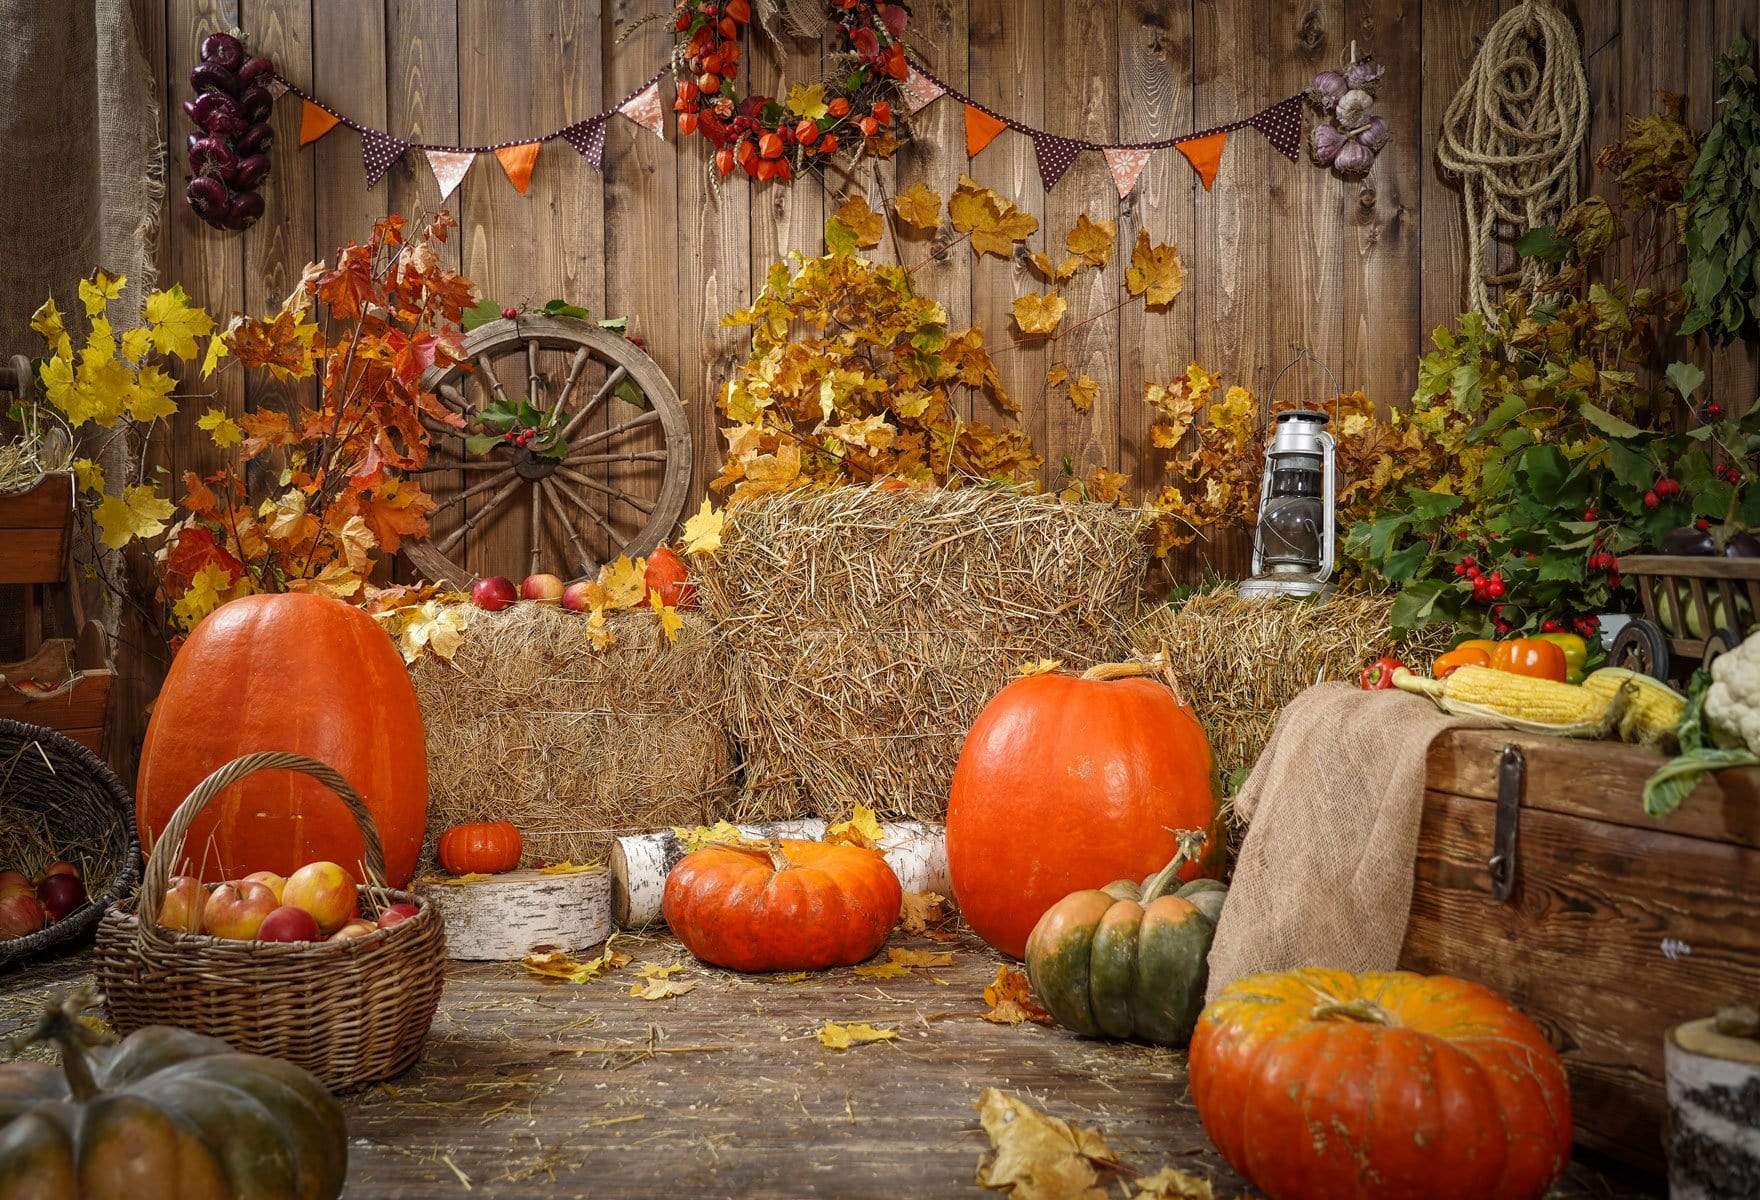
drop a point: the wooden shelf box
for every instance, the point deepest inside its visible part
(1616, 926)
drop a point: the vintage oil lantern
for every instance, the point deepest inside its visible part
(1296, 535)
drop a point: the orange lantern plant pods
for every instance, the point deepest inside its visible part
(1070, 782)
(1424, 1085)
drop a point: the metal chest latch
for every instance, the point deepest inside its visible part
(1510, 770)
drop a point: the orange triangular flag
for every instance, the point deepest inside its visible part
(314, 122)
(1205, 155)
(981, 130)
(518, 161)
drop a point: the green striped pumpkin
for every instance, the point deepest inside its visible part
(1128, 960)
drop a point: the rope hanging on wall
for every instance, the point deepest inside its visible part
(1513, 132)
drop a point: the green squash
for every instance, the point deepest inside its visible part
(165, 1113)
(1129, 960)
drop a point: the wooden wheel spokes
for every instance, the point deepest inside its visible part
(617, 483)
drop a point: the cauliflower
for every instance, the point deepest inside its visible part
(1732, 704)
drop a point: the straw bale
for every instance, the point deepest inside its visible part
(866, 628)
(527, 723)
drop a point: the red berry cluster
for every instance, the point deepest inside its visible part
(760, 135)
(1602, 560)
(1663, 489)
(1729, 473)
(1583, 626)
(1486, 588)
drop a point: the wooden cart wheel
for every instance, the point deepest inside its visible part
(1642, 647)
(618, 486)
(1721, 642)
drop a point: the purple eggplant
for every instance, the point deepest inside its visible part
(256, 70)
(249, 172)
(223, 50)
(1742, 545)
(1688, 541)
(256, 102)
(207, 77)
(244, 210)
(257, 139)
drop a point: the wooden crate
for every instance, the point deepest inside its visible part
(1617, 927)
(64, 686)
(33, 531)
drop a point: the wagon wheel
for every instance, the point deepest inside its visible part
(604, 400)
(1721, 642)
(1641, 646)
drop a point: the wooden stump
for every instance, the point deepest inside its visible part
(504, 916)
(1714, 1108)
(640, 863)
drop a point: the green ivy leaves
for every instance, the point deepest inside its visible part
(1723, 224)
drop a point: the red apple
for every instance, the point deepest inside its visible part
(61, 894)
(354, 929)
(184, 905)
(576, 597)
(16, 883)
(326, 891)
(397, 914)
(237, 910)
(270, 880)
(545, 589)
(493, 593)
(59, 868)
(20, 914)
(289, 924)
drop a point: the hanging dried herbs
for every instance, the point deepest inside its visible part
(1723, 224)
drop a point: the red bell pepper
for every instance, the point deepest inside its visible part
(1378, 675)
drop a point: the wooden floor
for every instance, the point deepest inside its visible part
(536, 1088)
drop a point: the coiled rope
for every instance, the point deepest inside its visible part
(1513, 131)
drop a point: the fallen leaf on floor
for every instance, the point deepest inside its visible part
(556, 963)
(919, 910)
(656, 971)
(862, 829)
(841, 1037)
(1039, 1157)
(661, 988)
(885, 970)
(921, 958)
(793, 977)
(1011, 1001)
(1171, 1184)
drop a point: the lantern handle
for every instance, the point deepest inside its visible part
(1301, 353)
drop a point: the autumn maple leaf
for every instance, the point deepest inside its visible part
(1039, 315)
(1155, 272)
(919, 207)
(994, 223)
(867, 225)
(1092, 241)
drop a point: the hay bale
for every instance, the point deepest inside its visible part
(1240, 661)
(529, 724)
(866, 628)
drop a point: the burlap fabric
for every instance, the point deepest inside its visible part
(1324, 877)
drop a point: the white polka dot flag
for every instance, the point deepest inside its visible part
(378, 152)
(1055, 155)
(589, 138)
(644, 109)
(449, 167)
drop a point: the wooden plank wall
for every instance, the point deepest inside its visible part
(1278, 255)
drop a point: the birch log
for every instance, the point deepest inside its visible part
(503, 917)
(1713, 1134)
(916, 852)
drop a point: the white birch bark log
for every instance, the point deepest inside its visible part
(916, 852)
(1713, 1133)
(501, 918)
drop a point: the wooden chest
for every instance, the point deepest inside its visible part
(1611, 927)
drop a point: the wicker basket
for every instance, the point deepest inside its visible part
(56, 791)
(350, 1012)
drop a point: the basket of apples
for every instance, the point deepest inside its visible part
(334, 976)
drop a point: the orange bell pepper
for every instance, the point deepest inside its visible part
(1485, 644)
(1461, 656)
(1529, 656)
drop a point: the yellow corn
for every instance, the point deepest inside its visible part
(1654, 708)
(1535, 705)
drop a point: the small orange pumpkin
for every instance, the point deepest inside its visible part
(800, 906)
(487, 848)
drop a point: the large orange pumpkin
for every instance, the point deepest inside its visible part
(287, 672)
(1068, 783)
(1319, 1084)
(800, 906)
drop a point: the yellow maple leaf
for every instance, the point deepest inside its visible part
(600, 635)
(864, 222)
(566, 867)
(666, 614)
(225, 431)
(1039, 315)
(702, 531)
(696, 837)
(913, 403)
(209, 588)
(339, 581)
(1011, 1001)
(994, 223)
(556, 963)
(661, 988)
(807, 101)
(149, 399)
(658, 971)
(624, 581)
(1092, 241)
(138, 513)
(772, 472)
(1170, 1183)
(88, 475)
(355, 542)
(175, 322)
(841, 1037)
(216, 351)
(1155, 273)
(919, 910)
(47, 321)
(136, 342)
(1039, 666)
(97, 292)
(1106, 487)
(1038, 1155)
(919, 207)
(920, 958)
(1056, 375)
(885, 970)
(861, 829)
(1083, 392)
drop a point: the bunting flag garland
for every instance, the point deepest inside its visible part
(378, 152)
(920, 91)
(315, 122)
(1205, 155)
(981, 129)
(449, 167)
(589, 138)
(518, 162)
(1125, 163)
(1055, 155)
(644, 109)
(1282, 125)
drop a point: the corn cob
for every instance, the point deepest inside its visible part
(1655, 709)
(1519, 701)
